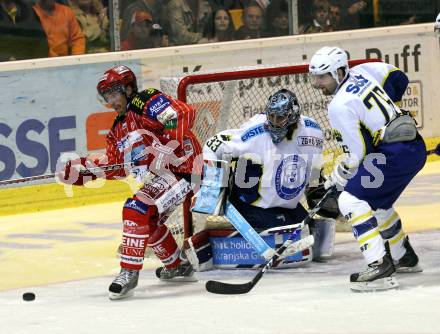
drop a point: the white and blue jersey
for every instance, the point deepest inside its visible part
(364, 103)
(269, 175)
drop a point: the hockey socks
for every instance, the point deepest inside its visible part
(164, 247)
(135, 234)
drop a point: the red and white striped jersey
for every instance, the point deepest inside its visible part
(155, 129)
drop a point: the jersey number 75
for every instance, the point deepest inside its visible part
(377, 97)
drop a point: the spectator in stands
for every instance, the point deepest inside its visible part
(64, 35)
(393, 12)
(156, 8)
(219, 27)
(277, 18)
(21, 34)
(253, 17)
(229, 4)
(14, 11)
(355, 14)
(320, 18)
(161, 33)
(140, 35)
(187, 20)
(93, 19)
(335, 17)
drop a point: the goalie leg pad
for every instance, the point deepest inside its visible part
(230, 250)
(198, 251)
(298, 246)
(323, 231)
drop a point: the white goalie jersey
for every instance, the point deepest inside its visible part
(269, 175)
(364, 103)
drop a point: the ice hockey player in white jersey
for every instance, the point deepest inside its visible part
(276, 153)
(384, 152)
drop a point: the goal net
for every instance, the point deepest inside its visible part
(225, 99)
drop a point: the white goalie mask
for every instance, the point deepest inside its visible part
(328, 60)
(437, 24)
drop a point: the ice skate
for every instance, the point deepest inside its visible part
(184, 272)
(409, 263)
(123, 285)
(376, 277)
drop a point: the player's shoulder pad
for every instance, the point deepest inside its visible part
(254, 128)
(140, 100)
(310, 123)
(159, 103)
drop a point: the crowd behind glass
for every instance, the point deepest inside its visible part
(52, 28)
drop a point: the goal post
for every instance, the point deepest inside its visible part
(225, 99)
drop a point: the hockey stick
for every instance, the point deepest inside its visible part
(241, 288)
(247, 231)
(436, 150)
(90, 170)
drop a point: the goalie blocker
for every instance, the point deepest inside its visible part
(243, 247)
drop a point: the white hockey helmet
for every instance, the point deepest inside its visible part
(437, 23)
(328, 60)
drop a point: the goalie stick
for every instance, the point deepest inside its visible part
(241, 288)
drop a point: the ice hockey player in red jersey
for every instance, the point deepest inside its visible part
(154, 130)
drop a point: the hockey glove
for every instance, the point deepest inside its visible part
(338, 178)
(330, 208)
(76, 173)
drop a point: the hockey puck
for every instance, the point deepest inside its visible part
(28, 296)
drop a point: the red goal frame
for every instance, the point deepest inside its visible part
(189, 80)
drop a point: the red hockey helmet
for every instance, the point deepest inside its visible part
(117, 78)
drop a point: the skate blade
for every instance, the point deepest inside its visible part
(380, 284)
(118, 296)
(415, 269)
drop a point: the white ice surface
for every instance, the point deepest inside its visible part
(313, 299)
